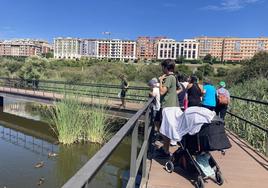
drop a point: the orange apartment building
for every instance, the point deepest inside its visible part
(116, 49)
(147, 47)
(231, 49)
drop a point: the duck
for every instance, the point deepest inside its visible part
(51, 154)
(41, 181)
(39, 165)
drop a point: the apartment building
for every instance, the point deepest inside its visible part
(67, 48)
(89, 48)
(168, 49)
(19, 48)
(231, 49)
(45, 46)
(188, 49)
(116, 49)
(237, 49)
(147, 47)
(73, 48)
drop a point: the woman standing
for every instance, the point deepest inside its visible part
(194, 92)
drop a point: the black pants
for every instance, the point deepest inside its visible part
(221, 111)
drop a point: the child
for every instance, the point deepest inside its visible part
(154, 92)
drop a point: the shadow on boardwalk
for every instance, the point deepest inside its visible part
(242, 167)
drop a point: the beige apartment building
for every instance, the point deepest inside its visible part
(19, 48)
(45, 46)
(67, 48)
(231, 49)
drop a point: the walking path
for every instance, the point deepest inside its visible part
(53, 96)
(241, 166)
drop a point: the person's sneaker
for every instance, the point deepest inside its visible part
(173, 143)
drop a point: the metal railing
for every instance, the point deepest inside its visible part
(135, 93)
(83, 177)
(261, 128)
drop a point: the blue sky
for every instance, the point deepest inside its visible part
(128, 19)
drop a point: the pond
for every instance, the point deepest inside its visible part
(26, 141)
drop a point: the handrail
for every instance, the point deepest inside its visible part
(255, 125)
(67, 87)
(79, 84)
(250, 100)
(90, 169)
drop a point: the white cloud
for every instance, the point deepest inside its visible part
(231, 5)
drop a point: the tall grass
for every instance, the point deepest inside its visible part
(74, 122)
(257, 113)
(97, 129)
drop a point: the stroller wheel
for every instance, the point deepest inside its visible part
(219, 177)
(200, 182)
(169, 166)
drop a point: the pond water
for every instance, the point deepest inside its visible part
(25, 141)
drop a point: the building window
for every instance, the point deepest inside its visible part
(161, 53)
(261, 45)
(237, 46)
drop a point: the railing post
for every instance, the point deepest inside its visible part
(146, 138)
(64, 89)
(134, 145)
(266, 147)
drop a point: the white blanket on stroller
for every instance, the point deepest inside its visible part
(176, 124)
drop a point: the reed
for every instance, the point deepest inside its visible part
(73, 122)
(256, 113)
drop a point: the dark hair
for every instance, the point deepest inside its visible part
(193, 79)
(168, 64)
(181, 77)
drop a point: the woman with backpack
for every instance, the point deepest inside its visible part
(223, 100)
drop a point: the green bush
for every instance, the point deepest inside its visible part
(205, 70)
(257, 113)
(33, 68)
(221, 72)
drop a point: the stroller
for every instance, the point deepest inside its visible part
(211, 137)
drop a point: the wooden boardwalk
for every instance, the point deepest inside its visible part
(35, 95)
(241, 166)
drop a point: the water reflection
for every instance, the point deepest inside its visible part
(25, 142)
(21, 108)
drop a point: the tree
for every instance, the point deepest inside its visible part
(208, 58)
(206, 70)
(180, 60)
(13, 67)
(222, 72)
(33, 68)
(48, 55)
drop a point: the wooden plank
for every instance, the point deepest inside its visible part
(242, 167)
